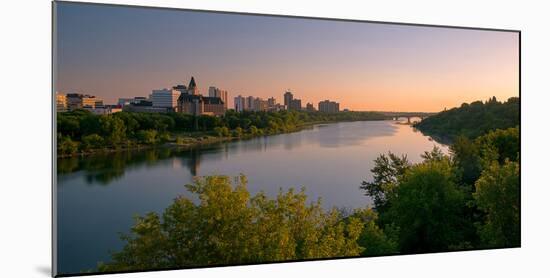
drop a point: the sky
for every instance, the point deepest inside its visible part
(116, 51)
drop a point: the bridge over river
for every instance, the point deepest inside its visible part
(408, 115)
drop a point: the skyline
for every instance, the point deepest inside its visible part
(114, 52)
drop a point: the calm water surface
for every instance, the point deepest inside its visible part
(98, 196)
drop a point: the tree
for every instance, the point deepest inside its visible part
(386, 172)
(499, 145)
(427, 208)
(113, 129)
(148, 137)
(497, 194)
(92, 141)
(66, 145)
(229, 226)
(222, 131)
(238, 132)
(434, 155)
(467, 160)
(472, 120)
(373, 239)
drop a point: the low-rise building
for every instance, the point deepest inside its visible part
(165, 98)
(105, 110)
(79, 101)
(60, 102)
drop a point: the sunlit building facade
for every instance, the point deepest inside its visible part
(328, 106)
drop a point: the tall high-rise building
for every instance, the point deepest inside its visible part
(288, 99)
(309, 107)
(249, 103)
(295, 104)
(328, 106)
(216, 92)
(271, 102)
(165, 98)
(240, 103)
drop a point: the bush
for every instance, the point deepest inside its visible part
(148, 137)
(222, 131)
(67, 146)
(92, 141)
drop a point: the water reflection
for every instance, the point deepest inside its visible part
(102, 169)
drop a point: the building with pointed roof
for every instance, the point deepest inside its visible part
(192, 102)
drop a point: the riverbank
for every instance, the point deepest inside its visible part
(188, 140)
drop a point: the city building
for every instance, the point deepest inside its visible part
(288, 96)
(216, 92)
(79, 101)
(192, 102)
(240, 103)
(249, 103)
(309, 107)
(124, 101)
(60, 102)
(143, 105)
(328, 106)
(165, 98)
(180, 88)
(295, 104)
(105, 110)
(271, 102)
(259, 104)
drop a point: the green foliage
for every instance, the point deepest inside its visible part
(114, 130)
(467, 160)
(497, 194)
(499, 145)
(238, 132)
(126, 128)
(374, 240)
(472, 120)
(427, 207)
(386, 172)
(92, 141)
(466, 200)
(148, 137)
(471, 156)
(229, 226)
(222, 131)
(66, 146)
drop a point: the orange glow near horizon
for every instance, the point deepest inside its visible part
(363, 66)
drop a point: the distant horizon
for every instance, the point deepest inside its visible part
(120, 52)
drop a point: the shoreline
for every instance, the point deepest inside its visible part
(202, 139)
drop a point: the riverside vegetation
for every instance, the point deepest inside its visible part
(81, 132)
(472, 120)
(469, 199)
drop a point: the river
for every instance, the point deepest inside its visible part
(97, 196)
